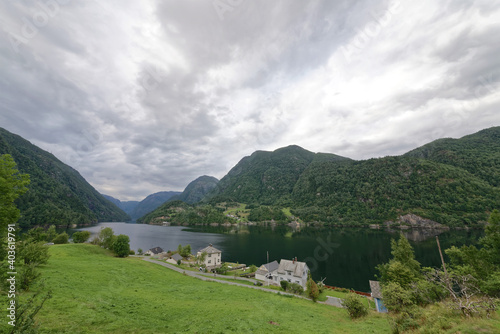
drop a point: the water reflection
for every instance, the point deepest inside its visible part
(347, 257)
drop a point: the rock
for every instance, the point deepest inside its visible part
(415, 221)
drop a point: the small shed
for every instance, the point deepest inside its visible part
(377, 296)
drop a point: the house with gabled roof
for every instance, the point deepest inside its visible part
(154, 251)
(266, 271)
(292, 271)
(213, 257)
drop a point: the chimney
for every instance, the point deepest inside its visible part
(293, 260)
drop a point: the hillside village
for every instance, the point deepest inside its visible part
(287, 275)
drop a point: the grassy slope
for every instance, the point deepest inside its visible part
(96, 293)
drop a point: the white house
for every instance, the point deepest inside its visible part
(292, 271)
(213, 256)
(267, 271)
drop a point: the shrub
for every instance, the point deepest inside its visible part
(81, 237)
(132, 252)
(355, 306)
(61, 238)
(295, 288)
(284, 285)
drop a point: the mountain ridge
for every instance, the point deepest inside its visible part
(57, 193)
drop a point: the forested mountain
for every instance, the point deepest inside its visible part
(196, 190)
(452, 181)
(268, 177)
(57, 193)
(151, 202)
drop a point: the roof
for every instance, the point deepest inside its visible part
(272, 266)
(177, 257)
(156, 250)
(375, 288)
(296, 267)
(209, 250)
(267, 268)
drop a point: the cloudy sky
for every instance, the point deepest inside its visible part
(145, 96)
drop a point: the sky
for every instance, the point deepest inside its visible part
(145, 96)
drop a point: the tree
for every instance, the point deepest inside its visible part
(33, 252)
(51, 233)
(312, 288)
(81, 237)
(121, 246)
(12, 185)
(402, 268)
(61, 238)
(354, 305)
(106, 237)
(139, 251)
(253, 268)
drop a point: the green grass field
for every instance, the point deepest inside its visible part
(94, 292)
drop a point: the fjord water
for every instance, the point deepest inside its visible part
(347, 257)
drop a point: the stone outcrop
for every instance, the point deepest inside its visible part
(413, 221)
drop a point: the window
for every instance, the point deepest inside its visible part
(209, 261)
(209, 255)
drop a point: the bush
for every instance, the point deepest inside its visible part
(284, 285)
(61, 238)
(354, 305)
(81, 237)
(295, 288)
(132, 252)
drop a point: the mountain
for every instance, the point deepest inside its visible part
(127, 206)
(454, 182)
(57, 193)
(151, 202)
(268, 178)
(478, 153)
(196, 190)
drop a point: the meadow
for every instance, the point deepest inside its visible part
(94, 292)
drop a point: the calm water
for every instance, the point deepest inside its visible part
(346, 257)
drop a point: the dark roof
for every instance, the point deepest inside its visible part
(156, 250)
(177, 257)
(375, 288)
(272, 266)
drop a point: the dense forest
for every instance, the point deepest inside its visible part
(57, 194)
(451, 181)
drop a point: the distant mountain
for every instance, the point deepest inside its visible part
(268, 178)
(151, 202)
(196, 190)
(127, 206)
(57, 193)
(136, 209)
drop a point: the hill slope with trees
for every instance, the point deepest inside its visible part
(57, 194)
(451, 181)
